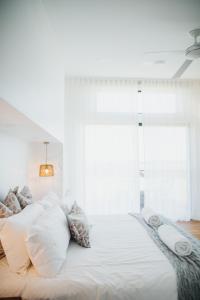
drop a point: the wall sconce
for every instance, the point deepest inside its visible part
(46, 169)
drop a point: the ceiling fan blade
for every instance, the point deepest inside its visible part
(182, 69)
(165, 52)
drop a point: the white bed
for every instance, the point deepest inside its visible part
(122, 264)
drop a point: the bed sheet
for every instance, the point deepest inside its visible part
(123, 263)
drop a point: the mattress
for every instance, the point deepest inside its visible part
(122, 264)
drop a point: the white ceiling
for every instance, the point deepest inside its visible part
(109, 37)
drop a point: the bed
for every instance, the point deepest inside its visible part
(123, 264)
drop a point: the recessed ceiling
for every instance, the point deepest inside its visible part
(110, 38)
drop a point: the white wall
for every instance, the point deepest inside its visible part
(42, 185)
(20, 161)
(31, 72)
(15, 155)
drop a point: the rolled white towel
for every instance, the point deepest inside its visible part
(175, 240)
(151, 217)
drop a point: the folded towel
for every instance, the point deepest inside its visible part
(174, 240)
(151, 217)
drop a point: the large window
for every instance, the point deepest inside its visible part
(128, 167)
(166, 175)
(126, 149)
(111, 169)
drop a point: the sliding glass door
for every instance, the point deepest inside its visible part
(166, 175)
(129, 145)
(111, 169)
(131, 166)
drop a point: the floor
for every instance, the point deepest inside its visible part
(192, 226)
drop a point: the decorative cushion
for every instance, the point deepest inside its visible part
(12, 237)
(12, 203)
(76, 209)
(26, 192)
(47, 242)
(79, 229)
(2, 253)
(5, 211)
(2, 223)
(15, 190)
(23, 201)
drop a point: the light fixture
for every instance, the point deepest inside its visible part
(46, 169)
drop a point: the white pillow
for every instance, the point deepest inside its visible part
(49, 200)
(47, 242)
(12, 237)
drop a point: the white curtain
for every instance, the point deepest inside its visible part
(170, 115)
(102, 145)
(106, 150)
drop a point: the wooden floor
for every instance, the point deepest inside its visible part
(192, 226)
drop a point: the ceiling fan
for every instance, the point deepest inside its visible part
(191, 53)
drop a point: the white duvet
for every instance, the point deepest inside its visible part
(122, 264)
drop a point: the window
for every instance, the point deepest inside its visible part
(111, 170)
(110, 159)
(116, 101)
(166, 170)
(157, 103)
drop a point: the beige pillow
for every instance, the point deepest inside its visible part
(12, 203)
(13, 234)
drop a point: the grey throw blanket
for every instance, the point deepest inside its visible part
(187, 268)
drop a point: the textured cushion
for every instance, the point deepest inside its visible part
(12, 203)
(2, 222)
(47, 242)
(15, 190)
(5, 211)
(12, 237)
(76, 209)
(26, 192)
(23, 201)
(79, 229)
(2, 253)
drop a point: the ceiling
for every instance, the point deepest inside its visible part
(109, 38)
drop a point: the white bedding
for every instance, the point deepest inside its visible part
(122, 264)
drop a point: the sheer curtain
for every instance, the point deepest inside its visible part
(105, 155)
(170, 116)
(102, 145)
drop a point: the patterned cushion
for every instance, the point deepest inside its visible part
(76, 209)
(26, 192)
(2, 253)
(79, 229)
(23, 201)
(12, 203)
(5, 211)
(15, 190)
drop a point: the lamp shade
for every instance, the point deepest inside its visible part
(46, 170)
